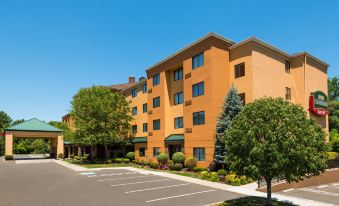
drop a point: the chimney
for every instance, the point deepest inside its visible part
(131, 79)
(141, 78)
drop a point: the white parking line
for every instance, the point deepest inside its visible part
(183, 195)
(133, 183)
(323, 186)
(87, 173)
(110, 174)
(288, 190)
(319, 192)
(155, 188)
(122, 178)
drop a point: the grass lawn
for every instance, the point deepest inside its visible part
(252, 201)
(100, 165)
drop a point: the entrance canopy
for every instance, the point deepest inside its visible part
(35, 128)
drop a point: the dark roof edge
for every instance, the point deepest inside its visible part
(211, 34)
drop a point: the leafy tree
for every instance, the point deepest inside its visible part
(16, 122)
(273, 138)
(22, 146)
(69, 135)
(100, 116)
(333, 88)
(40, 146)
(333, 95)
(5, 122)
(333, 117)
(231, 107)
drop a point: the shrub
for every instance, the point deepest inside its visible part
(212, 166)
(235, 180)
(177, 166)
(162, 158)
(126, 160)
(190, 163)
(213, 177)
(222, 172)
(130, 156)
(199, 169)
(154, 165)
(333, 155)
(8, 157)
(178, 157)
(204, 175)
(60, 156)
(118, 160)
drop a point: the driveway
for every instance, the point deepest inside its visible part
(51, 184)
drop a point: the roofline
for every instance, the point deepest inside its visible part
(134, 85)
(25, 130)
(211, 34)
(269, 46)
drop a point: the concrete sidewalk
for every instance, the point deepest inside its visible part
(249, 190)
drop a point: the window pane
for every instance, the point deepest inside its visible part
(144, 108)
(134, 111)
(144, 127)
(156, 80)
(144, 88)
(134, 92)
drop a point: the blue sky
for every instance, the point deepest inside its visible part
(50, 49)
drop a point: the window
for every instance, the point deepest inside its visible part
(156, 124)
(178, 74)
(242, 98)
(144, 127)
(144, 108)
(288, 93)
(198, 118)
(142, 152)
(198, 89)
(134, 129)
(156, 102)
(239, 70)
(178, 98)
(156, 79)
(156, 151)
(134, 92)
(287, 67)
(178, 122)
(134, 111)
(199, 153)
(198, 60)
(144, 88)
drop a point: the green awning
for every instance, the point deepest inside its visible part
(67, 142)
(139, 140)
(175, 137)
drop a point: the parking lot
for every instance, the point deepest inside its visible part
(328, 193)
(52, 184)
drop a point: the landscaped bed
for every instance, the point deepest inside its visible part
(178, 165)
(252, 201)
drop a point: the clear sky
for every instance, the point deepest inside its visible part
(50, 49)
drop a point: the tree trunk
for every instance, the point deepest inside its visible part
(269, 192)
(79, 151)
(106, 153)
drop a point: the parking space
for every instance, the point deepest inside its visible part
(52, 184)
(156, 190)
(328, 193)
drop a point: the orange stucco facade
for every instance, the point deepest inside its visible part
(264, 74)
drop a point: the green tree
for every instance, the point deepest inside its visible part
(22, 146)
(40, 146)
(231, 107)
(333, 96)
(273, 138)
(69, 135)
(101, 117)
(333, 117)
(5, 122)
(333, 88)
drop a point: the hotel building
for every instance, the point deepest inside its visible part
(176, 107)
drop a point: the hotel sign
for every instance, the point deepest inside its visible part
(318, 103)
